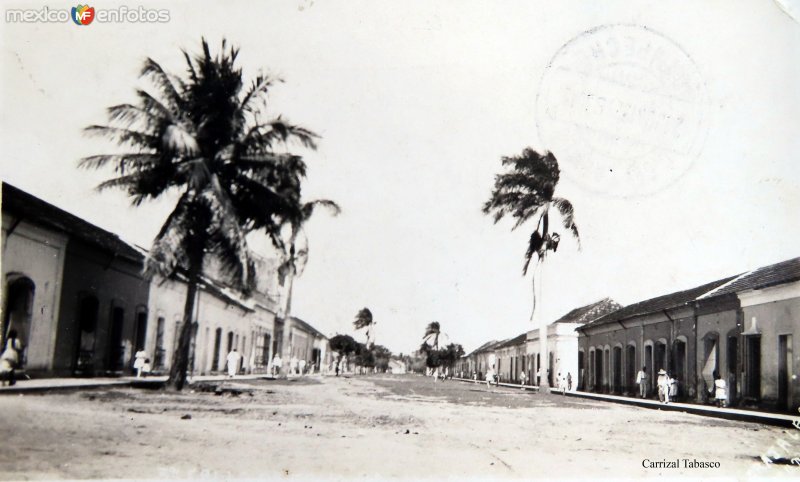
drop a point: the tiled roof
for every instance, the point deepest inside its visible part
(774, 274)
(657, 304)
(517, 340)
(30, 208)
(305, 326)
(590, 312)
(489, 345)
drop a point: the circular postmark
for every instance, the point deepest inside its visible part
(624, 110)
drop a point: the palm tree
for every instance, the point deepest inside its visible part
(364, 320)
(295, 258)
(527, 191)
(204, 138)
(432, 332)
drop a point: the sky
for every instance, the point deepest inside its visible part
(416, 102)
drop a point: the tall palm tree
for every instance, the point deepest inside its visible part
(204, 138)
(295, 257)
(527, 191)
(364, 320)
(432, 332)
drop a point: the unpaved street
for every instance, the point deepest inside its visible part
(402, 426)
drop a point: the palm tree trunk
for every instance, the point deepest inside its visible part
(539, 320)
(287, 325)
(180, 359)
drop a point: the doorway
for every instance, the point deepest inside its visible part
(785, 372)
(753, 367)
(630, 369)
(733, 372)
(217, 343)
(678, 365)
(616, 380)
(116, 351)
(19, 312)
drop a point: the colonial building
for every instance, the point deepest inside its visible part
(76, 297)
(742, 327)
(521, 354)
(562, 343)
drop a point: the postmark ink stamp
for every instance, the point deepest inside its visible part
(625, 108)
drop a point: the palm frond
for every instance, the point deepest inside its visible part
(121, 135)
(567, 212)
(363, 318)
(153, 71)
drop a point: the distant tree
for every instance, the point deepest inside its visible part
(451, 354)
(343, 345)
(382, 357)
(364, 320)
(364, 358)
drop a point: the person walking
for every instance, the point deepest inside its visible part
(489, 377)
(233, 362)
(641, 380)
(522, 379)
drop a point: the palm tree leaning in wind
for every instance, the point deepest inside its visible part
(364, 320)
(295, 257)
(431, 337)
(527, 191)
(203, 138)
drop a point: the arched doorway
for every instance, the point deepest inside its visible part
(19, 312)
(678, 364)
(616, 380)
(630, 369)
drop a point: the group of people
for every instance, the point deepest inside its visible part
(296, 366)
(666, 384)
(564, 381)
(668, 387)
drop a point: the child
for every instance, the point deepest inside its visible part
(720, 391)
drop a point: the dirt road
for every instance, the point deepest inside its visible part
(406, 426)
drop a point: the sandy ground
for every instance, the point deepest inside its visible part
(364, 427)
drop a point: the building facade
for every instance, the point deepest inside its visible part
(741, 328)
(76, 297)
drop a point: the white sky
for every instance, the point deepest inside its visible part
(416, 102)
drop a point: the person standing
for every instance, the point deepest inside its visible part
(11, 356)
(641, 380)
(233, 362)
(663, 386)
(138, 362)
(720, 391)
(562, 383)
(522, 379)
(569, 381)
